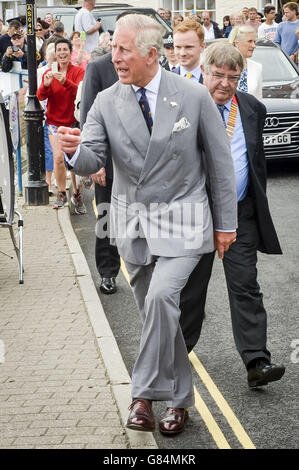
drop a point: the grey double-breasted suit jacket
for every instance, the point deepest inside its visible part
(159, 204)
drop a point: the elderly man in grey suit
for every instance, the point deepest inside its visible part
(160, 214)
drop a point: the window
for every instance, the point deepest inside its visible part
(200, 4)
(186, 6)
(189, 5)
(168, 4)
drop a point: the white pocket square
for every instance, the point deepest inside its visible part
(181, 125)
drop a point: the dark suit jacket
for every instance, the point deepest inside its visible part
(253, 114)
(177, 70)
(99, 75)
(217, 30)
(5, 41)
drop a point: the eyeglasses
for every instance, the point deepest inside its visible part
(230, 78)
(39, 30)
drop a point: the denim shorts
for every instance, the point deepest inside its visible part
(48, 149)
(52, 129)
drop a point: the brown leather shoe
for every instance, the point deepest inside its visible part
(173, 421)
(141, 417)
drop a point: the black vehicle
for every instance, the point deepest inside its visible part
(107, 12)
(281, 98)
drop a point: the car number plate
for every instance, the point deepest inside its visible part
(272, 139)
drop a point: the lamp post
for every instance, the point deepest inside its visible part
(36, 191)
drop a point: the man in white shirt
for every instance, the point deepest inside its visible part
(268, 29)
(188, 39)
(208, 26)
(85, 21)
(252, 19)
(211, 29)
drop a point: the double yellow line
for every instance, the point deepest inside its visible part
(219, 399)
(224, 407)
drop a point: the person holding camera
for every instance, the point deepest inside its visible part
(5, 39)
(16, 52)
(86, 22)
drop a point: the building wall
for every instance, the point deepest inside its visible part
(142, 3)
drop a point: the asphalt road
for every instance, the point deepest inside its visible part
(228, 414)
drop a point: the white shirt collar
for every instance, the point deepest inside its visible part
(153, 86)
(196, 72)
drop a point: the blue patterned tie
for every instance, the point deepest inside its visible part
(243, 85)
(145, 108)
(221, 109)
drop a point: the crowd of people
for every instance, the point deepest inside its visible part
(265, 24)
(57, 98)
(88, 41)
(140, 132)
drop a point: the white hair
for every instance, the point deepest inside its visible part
(239, 33)
(103, 36)
(149, 32)
(50, 50)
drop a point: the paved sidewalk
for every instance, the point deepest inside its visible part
(55, 391)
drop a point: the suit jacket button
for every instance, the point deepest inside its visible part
(175, 156)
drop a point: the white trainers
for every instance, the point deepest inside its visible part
(79, 206)
(61, 200)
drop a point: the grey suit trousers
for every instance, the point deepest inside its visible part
(162, 371)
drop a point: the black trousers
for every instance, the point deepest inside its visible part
(106, 255)
(248, 315)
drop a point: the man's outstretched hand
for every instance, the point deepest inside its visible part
(70, 138)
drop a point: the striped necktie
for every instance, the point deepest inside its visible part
(189, 75)
(145, 108)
